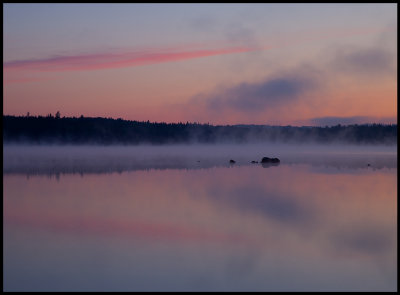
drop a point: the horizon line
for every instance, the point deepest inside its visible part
(199, 123)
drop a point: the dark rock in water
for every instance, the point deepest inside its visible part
(232, 162)
(253, 162)
(270, 160)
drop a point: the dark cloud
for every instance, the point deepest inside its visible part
(332, 121)
(368, 61)
(270, 93)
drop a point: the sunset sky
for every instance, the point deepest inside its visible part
(277, 64)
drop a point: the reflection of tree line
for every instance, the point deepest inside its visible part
(54, 129)
(57, 168)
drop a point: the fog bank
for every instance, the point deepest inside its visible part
(43, 159)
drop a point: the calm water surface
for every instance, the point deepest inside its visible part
(302, 226)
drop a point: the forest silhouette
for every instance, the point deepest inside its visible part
(88, 130)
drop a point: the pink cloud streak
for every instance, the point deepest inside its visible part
(114, 60)
(98, 61)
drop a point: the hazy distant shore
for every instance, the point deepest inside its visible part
(108, 131)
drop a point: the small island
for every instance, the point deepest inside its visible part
(269, 160)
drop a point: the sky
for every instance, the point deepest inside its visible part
(276, 64)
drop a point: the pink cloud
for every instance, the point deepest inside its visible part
(149, 56)
(115, 60)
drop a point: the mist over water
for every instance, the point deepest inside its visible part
(37, 159)
(182, 218)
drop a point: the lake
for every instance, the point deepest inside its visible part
(181, 218)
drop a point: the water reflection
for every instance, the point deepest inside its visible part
(267, 165)
(242, 228)
(259, 200)
(57, 167)
(58, 160)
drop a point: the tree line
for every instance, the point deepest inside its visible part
(88, 130)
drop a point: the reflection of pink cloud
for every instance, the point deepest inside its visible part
(134, 229)
(25, 79)
(115, 60)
